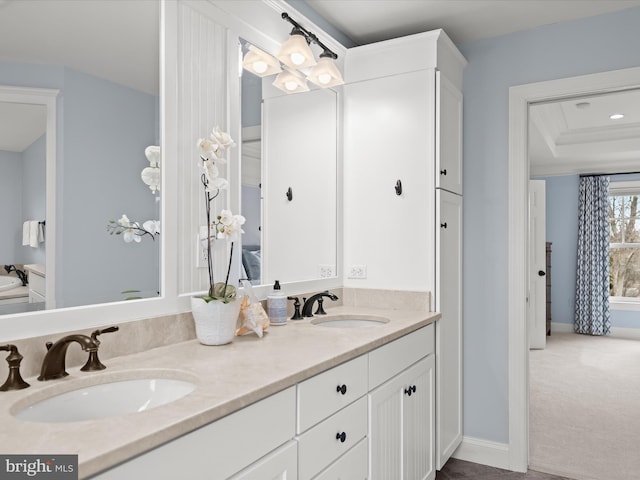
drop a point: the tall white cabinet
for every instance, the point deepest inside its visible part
(403, 125)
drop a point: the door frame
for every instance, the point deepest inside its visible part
(520, 97)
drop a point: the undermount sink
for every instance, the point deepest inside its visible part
(350, 321)
(106, 400)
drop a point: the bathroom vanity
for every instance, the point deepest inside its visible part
(274, 401)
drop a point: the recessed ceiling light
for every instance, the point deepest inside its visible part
(616, 116)
(583, 105)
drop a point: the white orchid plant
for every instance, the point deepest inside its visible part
(133, 231)
(226, 225)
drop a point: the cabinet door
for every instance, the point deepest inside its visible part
(448, 301)
(282, 464)
(401, 422)
(418, 421)
(390, 136)
(449, 135)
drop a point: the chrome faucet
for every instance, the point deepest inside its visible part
(53, 365)
(307, 308)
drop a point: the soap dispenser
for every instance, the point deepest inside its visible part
(277, 305)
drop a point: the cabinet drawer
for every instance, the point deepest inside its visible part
(321, 396)
(219, 449)
(391, 359)
(351, 466)
(281, 464)
(319, 447)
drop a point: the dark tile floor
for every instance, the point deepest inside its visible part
(459, 469)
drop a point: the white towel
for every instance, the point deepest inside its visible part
(34, 236)
(25, 233)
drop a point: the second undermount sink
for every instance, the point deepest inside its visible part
(106, 400)
(349, 321)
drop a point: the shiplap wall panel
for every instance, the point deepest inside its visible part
(202, 104)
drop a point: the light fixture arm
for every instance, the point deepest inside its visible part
(309, 36)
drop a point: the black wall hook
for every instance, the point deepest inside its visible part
(398, 187)
(289, 194)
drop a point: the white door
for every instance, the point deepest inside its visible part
(537, 266)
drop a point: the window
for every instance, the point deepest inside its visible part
(624, 256)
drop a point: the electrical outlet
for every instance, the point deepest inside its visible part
(357, 271)
(201, 248)
(327, 271)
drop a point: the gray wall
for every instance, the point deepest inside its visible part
(10, 207)
(597, 44)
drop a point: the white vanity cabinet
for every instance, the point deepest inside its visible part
(371, 417)
(37, 290)
(403, 121)
(401, 410)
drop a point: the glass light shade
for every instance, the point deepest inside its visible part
(290, 82)
(325, 74)
(295, 52)
(260, 63)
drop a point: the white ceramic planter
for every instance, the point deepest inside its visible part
(216, 322)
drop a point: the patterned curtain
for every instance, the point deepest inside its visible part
(592, 282)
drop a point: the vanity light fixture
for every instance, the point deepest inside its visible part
(151, 175)
(260, 63)
(325, 73)
(290, 81)
(295, 53)
(616, 116)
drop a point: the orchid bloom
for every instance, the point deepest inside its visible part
(129, 235)
(152, 226)
(124, 221)
(223, 139)
(208, 149)
(211, 173)
(229, 226)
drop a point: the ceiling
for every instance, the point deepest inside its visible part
(578, 136)
(368, 21)
(101, 38)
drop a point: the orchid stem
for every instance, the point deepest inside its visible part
(226, 280)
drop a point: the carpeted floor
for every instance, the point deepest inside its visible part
(584, 417)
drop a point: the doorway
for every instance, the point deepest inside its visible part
(520, 98)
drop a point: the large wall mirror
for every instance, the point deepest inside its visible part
(103, 59)
(289, 154)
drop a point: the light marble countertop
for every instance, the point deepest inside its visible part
(227, 379)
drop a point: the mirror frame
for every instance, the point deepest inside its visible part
(24, 325)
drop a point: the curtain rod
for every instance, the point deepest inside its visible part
(609, 174)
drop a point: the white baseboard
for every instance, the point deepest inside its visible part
(557, 327)
(616, 332)
(485, 452)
